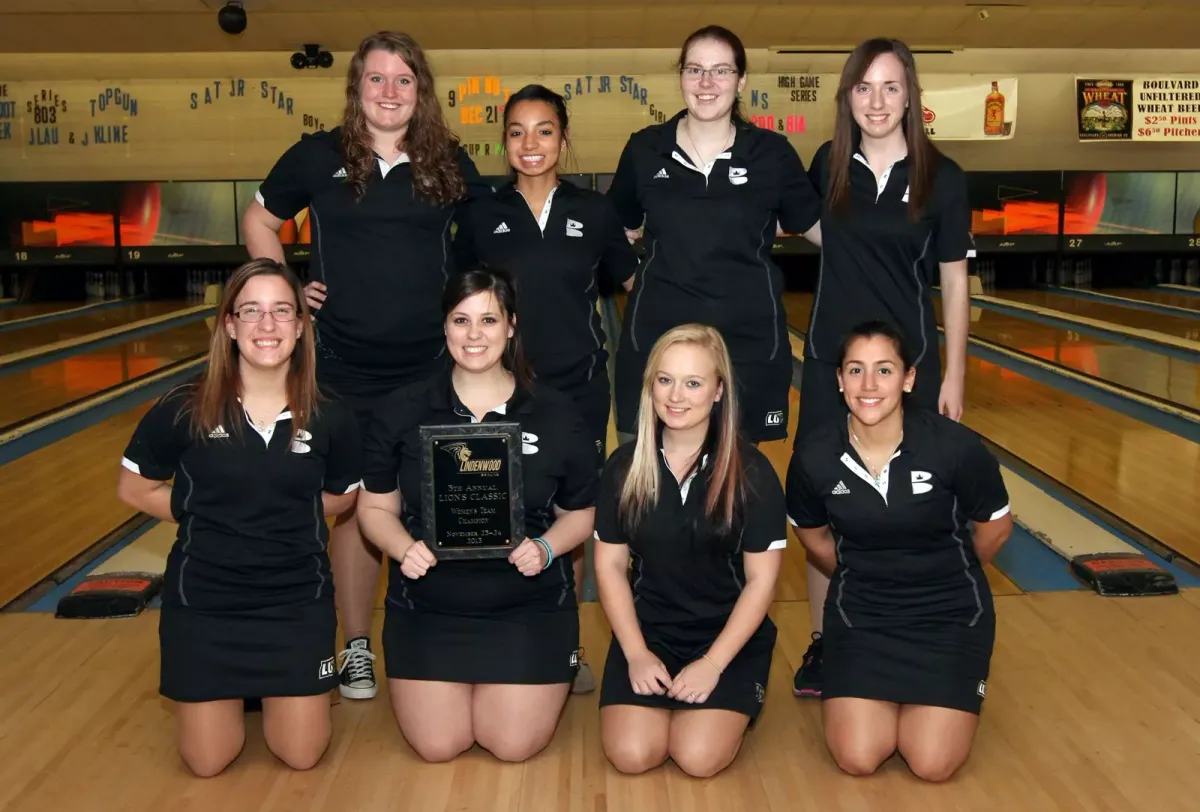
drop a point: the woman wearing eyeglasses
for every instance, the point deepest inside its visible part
(710, 190)
(259, 458)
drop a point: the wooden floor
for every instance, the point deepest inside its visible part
(41, 388)
(1092, 705)
(1147, 476)
(1178, 326)
(1152, 373)
(19, 339)
(59, 500)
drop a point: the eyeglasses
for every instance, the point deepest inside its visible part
(251, 314)
(694, 73)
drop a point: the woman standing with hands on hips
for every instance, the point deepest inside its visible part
(381, 190)
(902, 508)
(710, 190)
(895, 221)
(480, 651)
(700, 513)
(556, 240)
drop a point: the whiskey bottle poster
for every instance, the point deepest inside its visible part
(969, 108)
(1103, 109)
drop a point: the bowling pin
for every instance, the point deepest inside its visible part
(1193, 272)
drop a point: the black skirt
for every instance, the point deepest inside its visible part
(514, 648)
(937, 663)
(275, 651)
(742, 688)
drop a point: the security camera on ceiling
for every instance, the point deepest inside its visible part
(313, 57)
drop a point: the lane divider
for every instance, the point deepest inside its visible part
(58, 315)
(1160, 342)
(101, 338)
(1123, 301)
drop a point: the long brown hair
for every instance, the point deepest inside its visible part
(922, 154)
(431, 146)
(726, 491)
(215, 400)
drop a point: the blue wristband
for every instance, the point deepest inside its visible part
(546, 546)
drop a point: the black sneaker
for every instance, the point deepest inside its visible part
(357, 670)
(808, 676)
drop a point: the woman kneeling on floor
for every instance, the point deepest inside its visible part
(902, 508)
(700, 514)
(259, 458)
(480, 651)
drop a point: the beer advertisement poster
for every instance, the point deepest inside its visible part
(1103, 109)
(1166, 109)
(969, 108)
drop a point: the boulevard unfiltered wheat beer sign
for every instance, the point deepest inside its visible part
(1139, 109)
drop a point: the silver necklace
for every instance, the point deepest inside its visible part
(867, 457)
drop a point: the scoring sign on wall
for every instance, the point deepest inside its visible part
(236, 127)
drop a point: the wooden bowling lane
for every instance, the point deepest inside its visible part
(39, 389)
(1144, 475)
(28, 311)
(1177, 326)
(1156, 374)
(36, 335)
(59, 500)
(1158, 296)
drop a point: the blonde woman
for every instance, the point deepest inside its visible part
(699, 513)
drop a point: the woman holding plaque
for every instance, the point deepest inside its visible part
(479, 650)
(699, 514)
(710, 189)
(382, 190)
(258, 459)
(557, 240)
(895, 222)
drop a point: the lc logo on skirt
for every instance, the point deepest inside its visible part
(326, 669)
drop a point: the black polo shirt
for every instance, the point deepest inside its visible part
(558, 468)
(904, 546)
(252, 529)
(708, 236)
(554, 258)
(384, 259)
(876, 263)
(685, 579)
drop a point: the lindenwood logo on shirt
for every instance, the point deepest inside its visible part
(466, 465)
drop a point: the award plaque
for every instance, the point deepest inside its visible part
(471, 491)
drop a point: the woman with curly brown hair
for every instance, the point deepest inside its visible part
(382, 191)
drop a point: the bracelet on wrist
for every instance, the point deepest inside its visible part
(720, 670)
(549, 552)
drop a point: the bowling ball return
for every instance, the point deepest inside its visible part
(110, 595)
(1123, 575)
